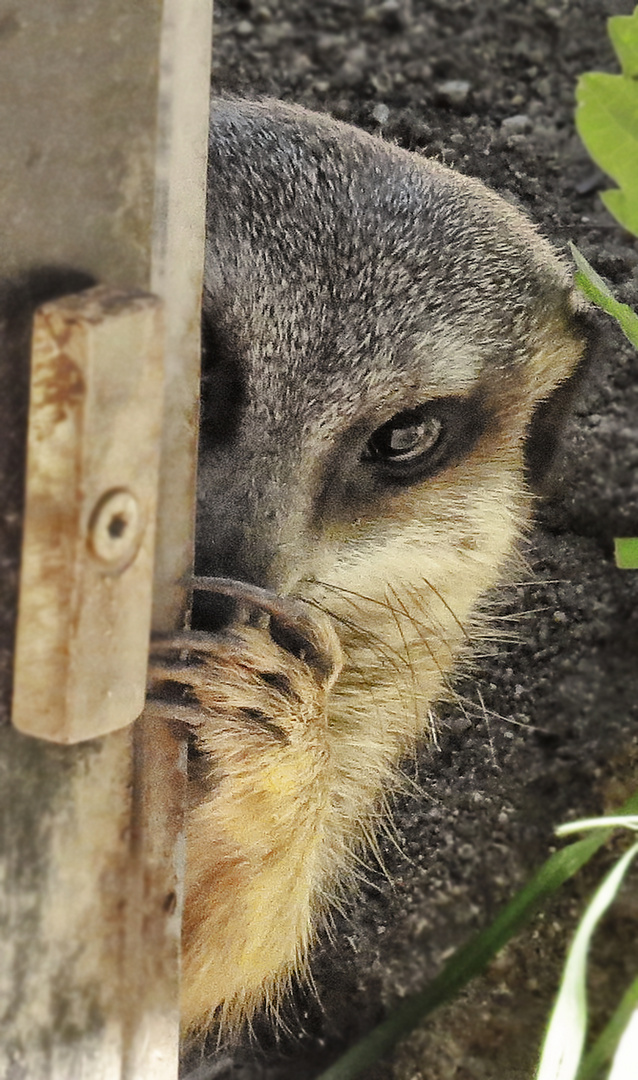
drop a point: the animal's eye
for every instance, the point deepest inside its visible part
(405, 438)
(418, 442)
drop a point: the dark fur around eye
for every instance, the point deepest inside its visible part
(545, 431)
(418, 443)
(222, 391)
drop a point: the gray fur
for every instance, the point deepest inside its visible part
(346, 280)
(382, 337)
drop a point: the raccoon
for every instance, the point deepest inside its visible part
(387, 349)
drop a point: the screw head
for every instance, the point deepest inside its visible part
(115, 529)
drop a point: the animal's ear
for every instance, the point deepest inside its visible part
(548, 419)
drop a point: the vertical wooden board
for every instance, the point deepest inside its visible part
(81, 996)
(78, 107)
(99, 887)
(92, 478)
(177, 275)
(65, 855)
(158, 844)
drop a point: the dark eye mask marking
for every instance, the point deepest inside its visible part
(418, 443)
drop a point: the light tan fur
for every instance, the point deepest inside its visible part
(278, 838)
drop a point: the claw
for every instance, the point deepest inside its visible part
(306, 633)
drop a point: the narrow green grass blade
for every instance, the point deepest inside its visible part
(626, 1056)
(472, 958)
(565, 1038)
(626, 552)
(604, 1048)
(625, 821)
(593, 287)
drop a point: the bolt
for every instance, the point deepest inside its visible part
(115, 530)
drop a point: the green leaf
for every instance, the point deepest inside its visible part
(626, 549)
(626, 1056)
(565, 1036)
(607, 121)
(623, 31)
(594, 288)
(625, 821)
(471, 959)
(604, 1048)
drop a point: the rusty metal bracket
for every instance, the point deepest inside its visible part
(86, 582)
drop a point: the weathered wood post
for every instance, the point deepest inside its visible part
(103, 128)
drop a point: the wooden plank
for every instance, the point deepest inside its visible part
(91, 908)
(78, 108)
(90, 834)
(177, 275)
(89, 526)
(155, 899)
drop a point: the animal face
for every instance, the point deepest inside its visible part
(380, 337)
